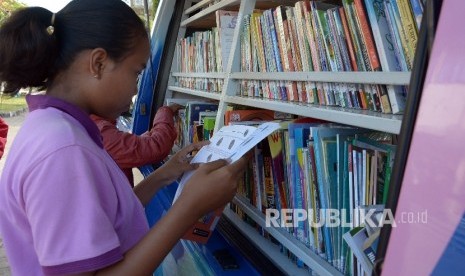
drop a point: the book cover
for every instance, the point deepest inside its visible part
(192, 116)
(276, 144)
(208, 127)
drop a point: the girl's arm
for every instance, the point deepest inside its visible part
(202, 193)
(166, 174)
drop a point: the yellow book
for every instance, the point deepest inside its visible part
(408, 24)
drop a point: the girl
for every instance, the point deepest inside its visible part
(65, 206)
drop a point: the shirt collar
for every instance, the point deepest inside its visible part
(44, 101)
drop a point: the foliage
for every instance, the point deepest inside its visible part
(8, 6)
(154, 8)
(8, 103)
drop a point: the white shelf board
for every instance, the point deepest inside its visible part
(354, 117)
(394, 78)
(199, 93)
(199, 75)
(197, 6)
(208, 11)
(315, 262)
(269, 249)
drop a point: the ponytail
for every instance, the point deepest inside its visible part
(27, 50)
(32, 54)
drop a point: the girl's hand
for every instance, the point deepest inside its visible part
(212, 185)
(180, 162)
(175, 107)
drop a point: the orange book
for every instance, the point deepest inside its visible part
(248, 115)
(203, 228)
(350, 46)
(367, 36)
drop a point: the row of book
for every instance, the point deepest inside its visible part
(359, 35)
(198, 53)
(196, 120)
(206, 52)
(311, 165)
(363, 241)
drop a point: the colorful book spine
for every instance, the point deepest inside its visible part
(296, 57)
(276, 51)
(304, 49)
(311, 35)
(367, 36)
(409, 26)
(348, 38)
(396, 19)
(275, 142)
(285, 45)
(358, 50)
(387, 55)
(269, 55)
(342, 40)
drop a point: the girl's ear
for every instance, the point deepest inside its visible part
(97, 61)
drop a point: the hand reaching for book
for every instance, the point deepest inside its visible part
(213, 185)
(180, 162)
(175, 108)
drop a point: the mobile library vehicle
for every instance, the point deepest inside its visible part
(381, 80)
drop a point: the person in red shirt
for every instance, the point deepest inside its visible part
(3, 135)
(130, 150)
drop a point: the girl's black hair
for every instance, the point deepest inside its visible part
(31, 57)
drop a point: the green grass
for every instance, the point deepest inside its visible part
(8, 103)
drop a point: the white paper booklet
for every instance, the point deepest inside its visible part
(230, 142)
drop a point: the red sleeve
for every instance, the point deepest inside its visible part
(130, 150)
(3, 135)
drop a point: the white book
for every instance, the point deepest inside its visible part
(226, 22)
(386, 51)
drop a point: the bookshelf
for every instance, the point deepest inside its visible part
(201, 15)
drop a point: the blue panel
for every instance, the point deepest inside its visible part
(145, 94)
(191, 258)
(452, 260)
(141, 118)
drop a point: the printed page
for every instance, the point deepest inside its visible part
(230, 142)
